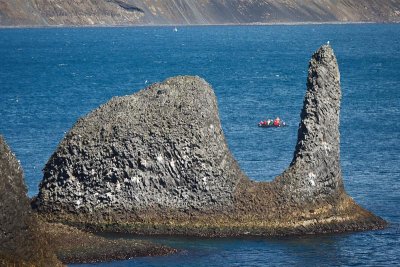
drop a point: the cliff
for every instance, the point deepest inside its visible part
(156, 162)
(148, 12)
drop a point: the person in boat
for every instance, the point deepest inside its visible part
(269, 122)
(277, 122)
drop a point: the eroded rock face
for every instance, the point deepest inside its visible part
(162, 147)
(156, 162)
(20, 242)
(171, 12)
(315, 173)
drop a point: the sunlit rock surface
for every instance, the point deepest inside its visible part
(156, 12)
(157, 162)
(162, 147)
(315, 174)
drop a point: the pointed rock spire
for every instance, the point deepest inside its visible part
(315, 172)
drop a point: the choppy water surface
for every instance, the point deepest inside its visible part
(51, 77)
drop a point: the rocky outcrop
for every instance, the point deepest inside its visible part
(157, 162)
(161, 148)
(72, 246)
(315, 173)
(25, 240)
(131, 12)
(21, 244)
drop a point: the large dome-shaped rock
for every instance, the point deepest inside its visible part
(157, 162)
(161, 148)
(21, 242)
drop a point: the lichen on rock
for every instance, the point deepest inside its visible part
(157, 162)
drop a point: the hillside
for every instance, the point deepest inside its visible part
(148, 12)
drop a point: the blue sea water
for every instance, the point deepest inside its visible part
(51, 77)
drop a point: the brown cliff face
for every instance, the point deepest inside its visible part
(70, 12)
(132, 12)
(157, 162)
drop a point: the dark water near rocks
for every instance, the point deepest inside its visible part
(51, 77)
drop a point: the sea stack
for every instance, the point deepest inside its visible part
(156, 162)
(21, 242)
(159, 149)
(314, 174)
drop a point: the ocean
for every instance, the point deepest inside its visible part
(50, 77)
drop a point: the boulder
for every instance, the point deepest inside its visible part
(157, 162)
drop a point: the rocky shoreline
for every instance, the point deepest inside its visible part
(197, 25)
(72, 245)
(201, 12)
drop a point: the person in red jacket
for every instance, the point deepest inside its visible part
(277, 122)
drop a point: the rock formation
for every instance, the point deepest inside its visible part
(160, 148)
(20, 241)
(157, 162)
(25, 240)
(315, 173)
(150, 12)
